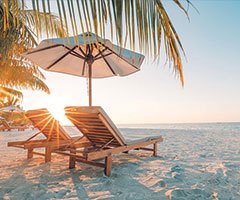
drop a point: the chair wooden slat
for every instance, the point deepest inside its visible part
(43, 120)
(56, 136)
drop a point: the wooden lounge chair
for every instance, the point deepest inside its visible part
(5, 126)
(55, 136)
(2, 128)
(104, 136)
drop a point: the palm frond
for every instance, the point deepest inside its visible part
(21, 76)
(55, 29)
(16, 72)
(10, 92)
(9, 96)
(135, 23)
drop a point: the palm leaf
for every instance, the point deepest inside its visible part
(9, 96)
(16, 72)
(138, 23)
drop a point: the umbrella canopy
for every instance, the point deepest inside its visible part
(11, 108)
(86, 55)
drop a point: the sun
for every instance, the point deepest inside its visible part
(58, 113)
(56, 108)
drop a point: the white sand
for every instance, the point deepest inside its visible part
(194, 163)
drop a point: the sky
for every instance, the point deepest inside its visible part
(211, 40)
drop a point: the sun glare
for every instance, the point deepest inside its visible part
(57, 113)
(57, 110)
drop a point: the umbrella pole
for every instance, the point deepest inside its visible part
(90, 84)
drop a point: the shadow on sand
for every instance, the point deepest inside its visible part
(34, 180)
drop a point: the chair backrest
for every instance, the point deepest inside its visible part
(45, 122)
(95, 124)
(5, 124)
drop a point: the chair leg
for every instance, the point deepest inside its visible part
(108, 165)
(72, 160)
(155, 149)
(30, 153)
(48, 152)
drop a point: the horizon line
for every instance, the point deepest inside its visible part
(119, 124)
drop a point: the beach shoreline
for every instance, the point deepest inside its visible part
(192, 164)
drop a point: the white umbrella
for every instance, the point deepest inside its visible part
(11, 108)
(85, 55)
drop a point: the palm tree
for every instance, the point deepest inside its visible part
(15, 72)
(9, 97)
(142, 23)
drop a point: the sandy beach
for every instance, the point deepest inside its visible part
(194, 162)
(170, 65)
